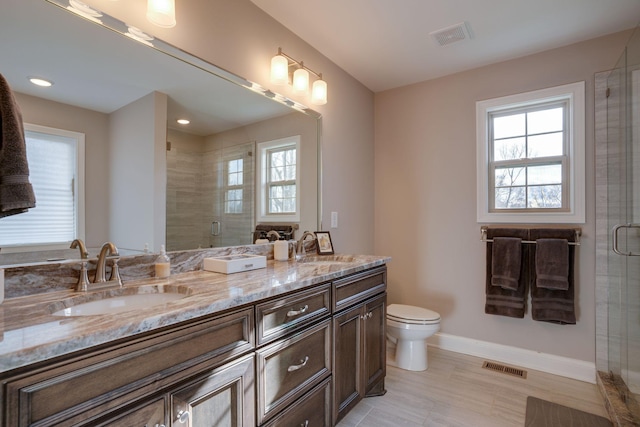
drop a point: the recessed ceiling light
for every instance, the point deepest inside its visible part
(183, 121)
(40, 82)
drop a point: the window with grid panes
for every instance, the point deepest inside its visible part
(531, 156)
(234, 190)
(279, 180)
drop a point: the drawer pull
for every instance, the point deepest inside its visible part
(296, 367)
(292, 313)
(366, 316)
(305, 423)
(183, 417)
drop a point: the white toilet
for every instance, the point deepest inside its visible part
(410, 326)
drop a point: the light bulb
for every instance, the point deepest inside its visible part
(162, 12)
(319, 92)
(301, 81)
(279, 70)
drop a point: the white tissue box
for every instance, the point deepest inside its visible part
(235, 263)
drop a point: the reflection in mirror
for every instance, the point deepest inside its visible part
(149, 181)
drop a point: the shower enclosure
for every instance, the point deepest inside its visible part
(618, 224)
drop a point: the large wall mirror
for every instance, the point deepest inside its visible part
(149, 180)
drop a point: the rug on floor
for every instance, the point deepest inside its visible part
(541, 413)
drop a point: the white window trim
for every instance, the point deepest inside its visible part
(575, 94)
(78, 189)
(261, 179)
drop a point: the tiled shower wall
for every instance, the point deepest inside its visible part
(195, 197)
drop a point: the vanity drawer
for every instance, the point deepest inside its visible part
(291, 313)
(289, 368)
(312, 410)
(358, 287)
(88, 385)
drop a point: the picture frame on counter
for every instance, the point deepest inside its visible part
(324, 244)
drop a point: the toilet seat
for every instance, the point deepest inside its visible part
(412, 315)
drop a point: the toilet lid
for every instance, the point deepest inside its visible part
(410, 313)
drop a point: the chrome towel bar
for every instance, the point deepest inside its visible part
(483, 237)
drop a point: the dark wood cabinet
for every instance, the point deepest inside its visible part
(223, 398)
(84, 388)
(150, 414)
(360, 354)
(304, 358)
(359, 358)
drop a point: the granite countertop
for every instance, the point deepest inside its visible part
(30, 333)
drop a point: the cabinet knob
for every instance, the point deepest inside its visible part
(183, 417)
(292, 313)
(296, 367)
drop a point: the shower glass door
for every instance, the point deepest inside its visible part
(623, 170)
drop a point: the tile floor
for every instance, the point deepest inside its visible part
(456, 391)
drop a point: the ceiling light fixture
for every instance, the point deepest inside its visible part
(285, 69)
(40, 82)
(183, 121)
(162, 13)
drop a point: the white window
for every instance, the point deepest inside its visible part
(279, 175)
(56, 172)
(234, 186)
(530, 157)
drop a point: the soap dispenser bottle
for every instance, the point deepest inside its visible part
(163, 264)
(281, 250)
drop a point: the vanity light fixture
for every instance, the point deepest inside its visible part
(139, 35)
(285, 69)
(40, 82)
(162, 13)
(79, 8)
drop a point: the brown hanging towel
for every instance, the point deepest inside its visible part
(553, 276)
(509, 300)
(16, 193)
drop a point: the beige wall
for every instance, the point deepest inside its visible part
(138, 173)
(237, 36)
(425, 204)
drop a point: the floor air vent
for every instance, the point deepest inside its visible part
(516, 372)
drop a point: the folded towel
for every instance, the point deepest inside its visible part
(503, 301)
(16, 193)
(554, 305)
(505, 264)
(552, 264)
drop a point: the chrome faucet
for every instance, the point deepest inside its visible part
(83, 280)
(300, 251)
(101, 267)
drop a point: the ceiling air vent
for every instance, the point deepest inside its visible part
(452, 34)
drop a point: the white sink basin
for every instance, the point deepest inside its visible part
(119, 304)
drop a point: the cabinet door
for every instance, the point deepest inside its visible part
(375, 348)
(347, 360)
(223, 398)
(147, 415)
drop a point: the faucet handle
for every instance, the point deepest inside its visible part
(83, 279)
(115, 271)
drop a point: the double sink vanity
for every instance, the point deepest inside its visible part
(292, 344)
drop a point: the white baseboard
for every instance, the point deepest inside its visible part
(552, 364)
